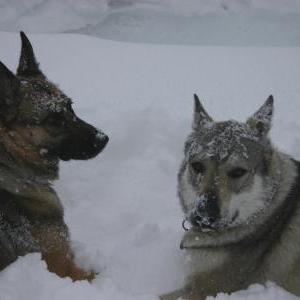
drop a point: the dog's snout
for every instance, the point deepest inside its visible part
(84, 141)
(207, 204)
(207, 210)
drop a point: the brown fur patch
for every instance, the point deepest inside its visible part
(17, 143)
(53, 238)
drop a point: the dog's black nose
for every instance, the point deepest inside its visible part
(101, 139)
(207, 204)
(105, 139)
(206, 212)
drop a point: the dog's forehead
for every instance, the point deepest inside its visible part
(222, 140)
(44, 96)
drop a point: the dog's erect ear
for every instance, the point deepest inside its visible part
(9, 87)
(28, 66)
(262, 119)
(201, 117)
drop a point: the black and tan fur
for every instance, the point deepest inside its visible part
(38, 127)
(241, 197)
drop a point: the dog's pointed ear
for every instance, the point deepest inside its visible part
(201, 117)
(9, 87)
(28, 66)
(261, 121)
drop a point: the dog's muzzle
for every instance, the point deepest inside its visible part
(83, 142)
(206, 214)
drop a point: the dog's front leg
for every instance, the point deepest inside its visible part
(53, 238)
(61, 262)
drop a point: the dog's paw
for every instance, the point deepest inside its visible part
(77, 273)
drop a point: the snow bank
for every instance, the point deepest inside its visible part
(257, 292)
(121, 207)
(205, 22)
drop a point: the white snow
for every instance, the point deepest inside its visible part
(121, 207)
(205, 22)
(54, 15)
(257, 292)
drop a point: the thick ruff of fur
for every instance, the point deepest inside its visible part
(254, 235)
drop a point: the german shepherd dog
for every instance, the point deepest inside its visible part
(241, 198)
(38, 127)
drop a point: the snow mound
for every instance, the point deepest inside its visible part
(257, 292)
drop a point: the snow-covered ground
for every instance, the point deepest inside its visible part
(121, 207)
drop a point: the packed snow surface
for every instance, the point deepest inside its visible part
(121, 207)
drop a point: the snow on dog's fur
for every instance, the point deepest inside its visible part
(242, 199)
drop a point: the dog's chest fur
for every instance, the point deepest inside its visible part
(25, 200)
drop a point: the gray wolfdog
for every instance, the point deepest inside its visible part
(241, 198)
(38, 127)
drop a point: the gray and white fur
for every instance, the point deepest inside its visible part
(242, 200)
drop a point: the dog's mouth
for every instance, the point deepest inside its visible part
(201, 222)
(203, 235)
(199, 226)
(196, 222)
(80, 144)
(86, 149)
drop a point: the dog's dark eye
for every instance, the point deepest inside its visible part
(198, 167)
(237, 172)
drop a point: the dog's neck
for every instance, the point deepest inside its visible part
(25, 159)
(25, 174)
